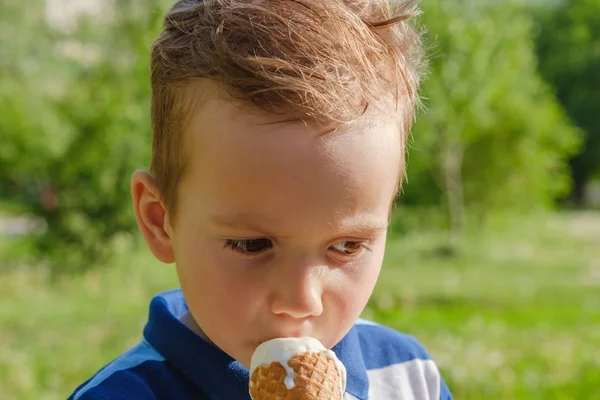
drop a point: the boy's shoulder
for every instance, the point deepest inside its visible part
(397, 363)
(139, 373)
(383, 346)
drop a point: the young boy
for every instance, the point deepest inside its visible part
(279, 135)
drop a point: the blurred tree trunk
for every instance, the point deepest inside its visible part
(453, 182)
(580, 180)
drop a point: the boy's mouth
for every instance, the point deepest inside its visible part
(290, 334)
(293, 333)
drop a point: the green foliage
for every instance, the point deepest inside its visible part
(29, 75)
(492, 136)
(75, 126)
(568, 46)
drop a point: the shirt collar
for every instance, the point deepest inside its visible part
(215, 371)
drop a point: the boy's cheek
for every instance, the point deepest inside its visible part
(358, 285)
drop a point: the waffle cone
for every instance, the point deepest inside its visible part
(317, 378)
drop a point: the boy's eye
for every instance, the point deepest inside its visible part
(252, 246)
(349, 247)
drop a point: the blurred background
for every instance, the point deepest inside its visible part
(494, 252)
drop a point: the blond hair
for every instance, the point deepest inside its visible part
(323, 60)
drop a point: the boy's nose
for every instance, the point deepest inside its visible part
(297, 294)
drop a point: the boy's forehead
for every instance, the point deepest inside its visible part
(210, 104)
(238, 155)
(233, 138)
(222, 126)
(212, 108)
(226, 137)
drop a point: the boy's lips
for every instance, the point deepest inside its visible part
(302, 330)
(298, 333)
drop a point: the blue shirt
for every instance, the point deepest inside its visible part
(173, 362)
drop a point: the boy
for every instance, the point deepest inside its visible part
(279, 135)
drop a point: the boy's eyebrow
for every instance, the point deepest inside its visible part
(361, 224)
(356, 224)
(243, 221)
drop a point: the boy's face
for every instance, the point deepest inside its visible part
(281, 231)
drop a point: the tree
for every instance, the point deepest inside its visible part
(568, 45)
(492, 135)
(75, 126)
(29, 75)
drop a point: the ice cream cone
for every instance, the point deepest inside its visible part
(296, 369)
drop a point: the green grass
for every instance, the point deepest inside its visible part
(516, 315)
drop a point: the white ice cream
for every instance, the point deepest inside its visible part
(281, 350)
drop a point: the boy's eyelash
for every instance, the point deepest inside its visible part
(258, 246)
(248, 246)
(362, 245)
(366, 245)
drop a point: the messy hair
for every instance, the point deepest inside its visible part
(320, 60)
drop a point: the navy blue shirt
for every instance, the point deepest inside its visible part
(173, 362)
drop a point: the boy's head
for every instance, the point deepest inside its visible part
(279, 134)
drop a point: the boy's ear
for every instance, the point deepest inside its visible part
(151, 216)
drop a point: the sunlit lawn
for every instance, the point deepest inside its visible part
(515, 316)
